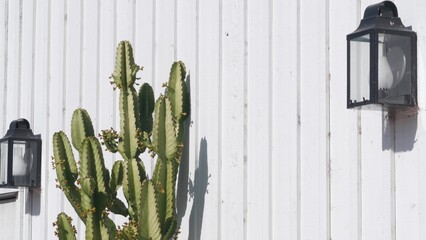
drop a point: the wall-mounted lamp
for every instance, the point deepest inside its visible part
(20, 156)
(382, 60)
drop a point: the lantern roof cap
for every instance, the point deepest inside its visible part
(383, 15)
(20, 123)
(20, 128)
(385, 9)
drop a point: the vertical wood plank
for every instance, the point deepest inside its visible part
(106, 62)
(13, 61)
(3, 62)
(56, 73)
(56, 96)
(107, 106)
(73, 80)
(124, 30)
(259, 129)
(41, 123)
(284, 116)
(144, 52)
(198, 36)
(165, 43)
(313, 118)
(55, 68)
(190, 195)
(344, 174)
(10, 219)
(27, 66)
(73, 63)
(233, 121)
(377, 154)
(410, 168)
(144, 38)
(90, 67)
(125, 20)
(376, 176)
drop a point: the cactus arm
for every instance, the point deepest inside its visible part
(81, 127)
(176, 90)
(93, 231)
(97, 227)
(62, 151)
(124, 78)
(88, 185)
(125, 68)
(116, 175)
(129, 115)
(164, 133)
(134, 175)
(116, 205)
(164, 180)
(149, 226)
(64, 228)
(147, 105)
(66, 169)
(92, 165)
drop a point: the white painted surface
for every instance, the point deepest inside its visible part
(10, 219)
(273, 152)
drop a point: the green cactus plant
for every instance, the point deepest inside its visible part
(90, 188)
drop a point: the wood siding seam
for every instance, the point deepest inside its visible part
(246, 125)
(19, 102)
(98, 60)
(299, 157)
(47, 123)
(328, 120)
(33, 51)
(220, 121)
(359, 154)
(271, 120)
(6, 56)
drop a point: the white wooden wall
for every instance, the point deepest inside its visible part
(273, 151)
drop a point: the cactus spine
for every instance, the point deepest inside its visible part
(91, 189)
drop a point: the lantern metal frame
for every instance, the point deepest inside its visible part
(382, 18)
(20, 131)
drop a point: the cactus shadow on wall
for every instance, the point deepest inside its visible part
(197, 191)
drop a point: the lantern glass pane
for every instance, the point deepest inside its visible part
(360, 69)
(23, 163)
(394, 68)
(3, 162)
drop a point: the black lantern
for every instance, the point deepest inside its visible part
(382, 60)
(20, 156)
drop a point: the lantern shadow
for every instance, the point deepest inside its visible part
(399, 131)
(33, 202)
